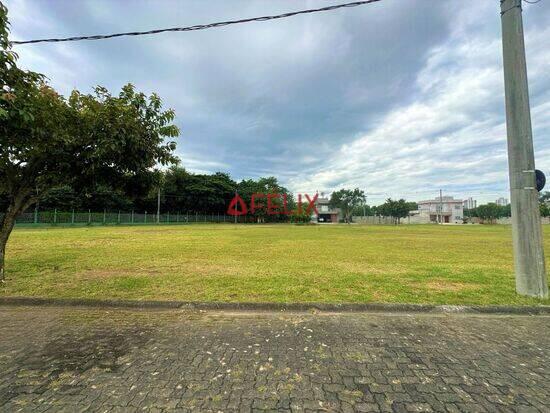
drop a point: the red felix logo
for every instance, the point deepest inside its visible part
(237, 206)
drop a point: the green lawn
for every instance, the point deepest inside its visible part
(260, 263)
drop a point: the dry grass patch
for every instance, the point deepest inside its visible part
(448, 286)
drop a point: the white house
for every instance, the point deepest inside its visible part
(445, 210)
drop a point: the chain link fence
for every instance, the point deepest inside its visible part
(125, 218)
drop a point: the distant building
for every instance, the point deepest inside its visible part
(326, 214)
(445, 210)
(469, 203)
(502, 202)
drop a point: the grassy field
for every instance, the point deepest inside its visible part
(261, 263)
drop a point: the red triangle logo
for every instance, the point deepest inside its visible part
(233, 210)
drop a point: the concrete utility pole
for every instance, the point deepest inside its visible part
(526, 227)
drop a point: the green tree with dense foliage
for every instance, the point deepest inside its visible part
(347, 200)
(489, 212)
(47, 141)
(396, 209)
(268, 187)
(363, 210)
(203, 193)
(300, 215)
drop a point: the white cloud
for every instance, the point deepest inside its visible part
(451, 136)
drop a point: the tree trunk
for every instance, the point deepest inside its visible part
(18, 204)
(6, 227)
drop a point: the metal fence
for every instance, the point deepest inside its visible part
(127, 218)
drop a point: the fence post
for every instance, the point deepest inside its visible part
(104, 216)
(196, 216)
(89, 216)
(168, 217)
(178, 217)
(36, 215)
(218, 217)
(55, 216)
(145, 221)
(118, 216)
(187, 217)
(223, 217)
(72, 217)
(132, 219)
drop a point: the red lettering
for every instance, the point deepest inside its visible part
(253, 205)
(237, 206)
(312, 204)
(273, 209)
(285, 205)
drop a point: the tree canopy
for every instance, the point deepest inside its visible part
(265, 186)
(396, 209)
(489, 212)
(85, 141)
(185, 191)
(347, 200)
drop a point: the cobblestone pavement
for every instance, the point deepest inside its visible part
(76, 359)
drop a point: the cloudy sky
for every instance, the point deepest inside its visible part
(400, 98)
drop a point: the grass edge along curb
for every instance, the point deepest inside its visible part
(279, 307)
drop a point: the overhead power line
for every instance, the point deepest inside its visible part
(196, 27)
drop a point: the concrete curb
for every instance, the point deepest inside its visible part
(278, 307)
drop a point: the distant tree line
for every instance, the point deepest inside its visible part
(490, 212)
(396, 209)
(180, 191)
(353, 202)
